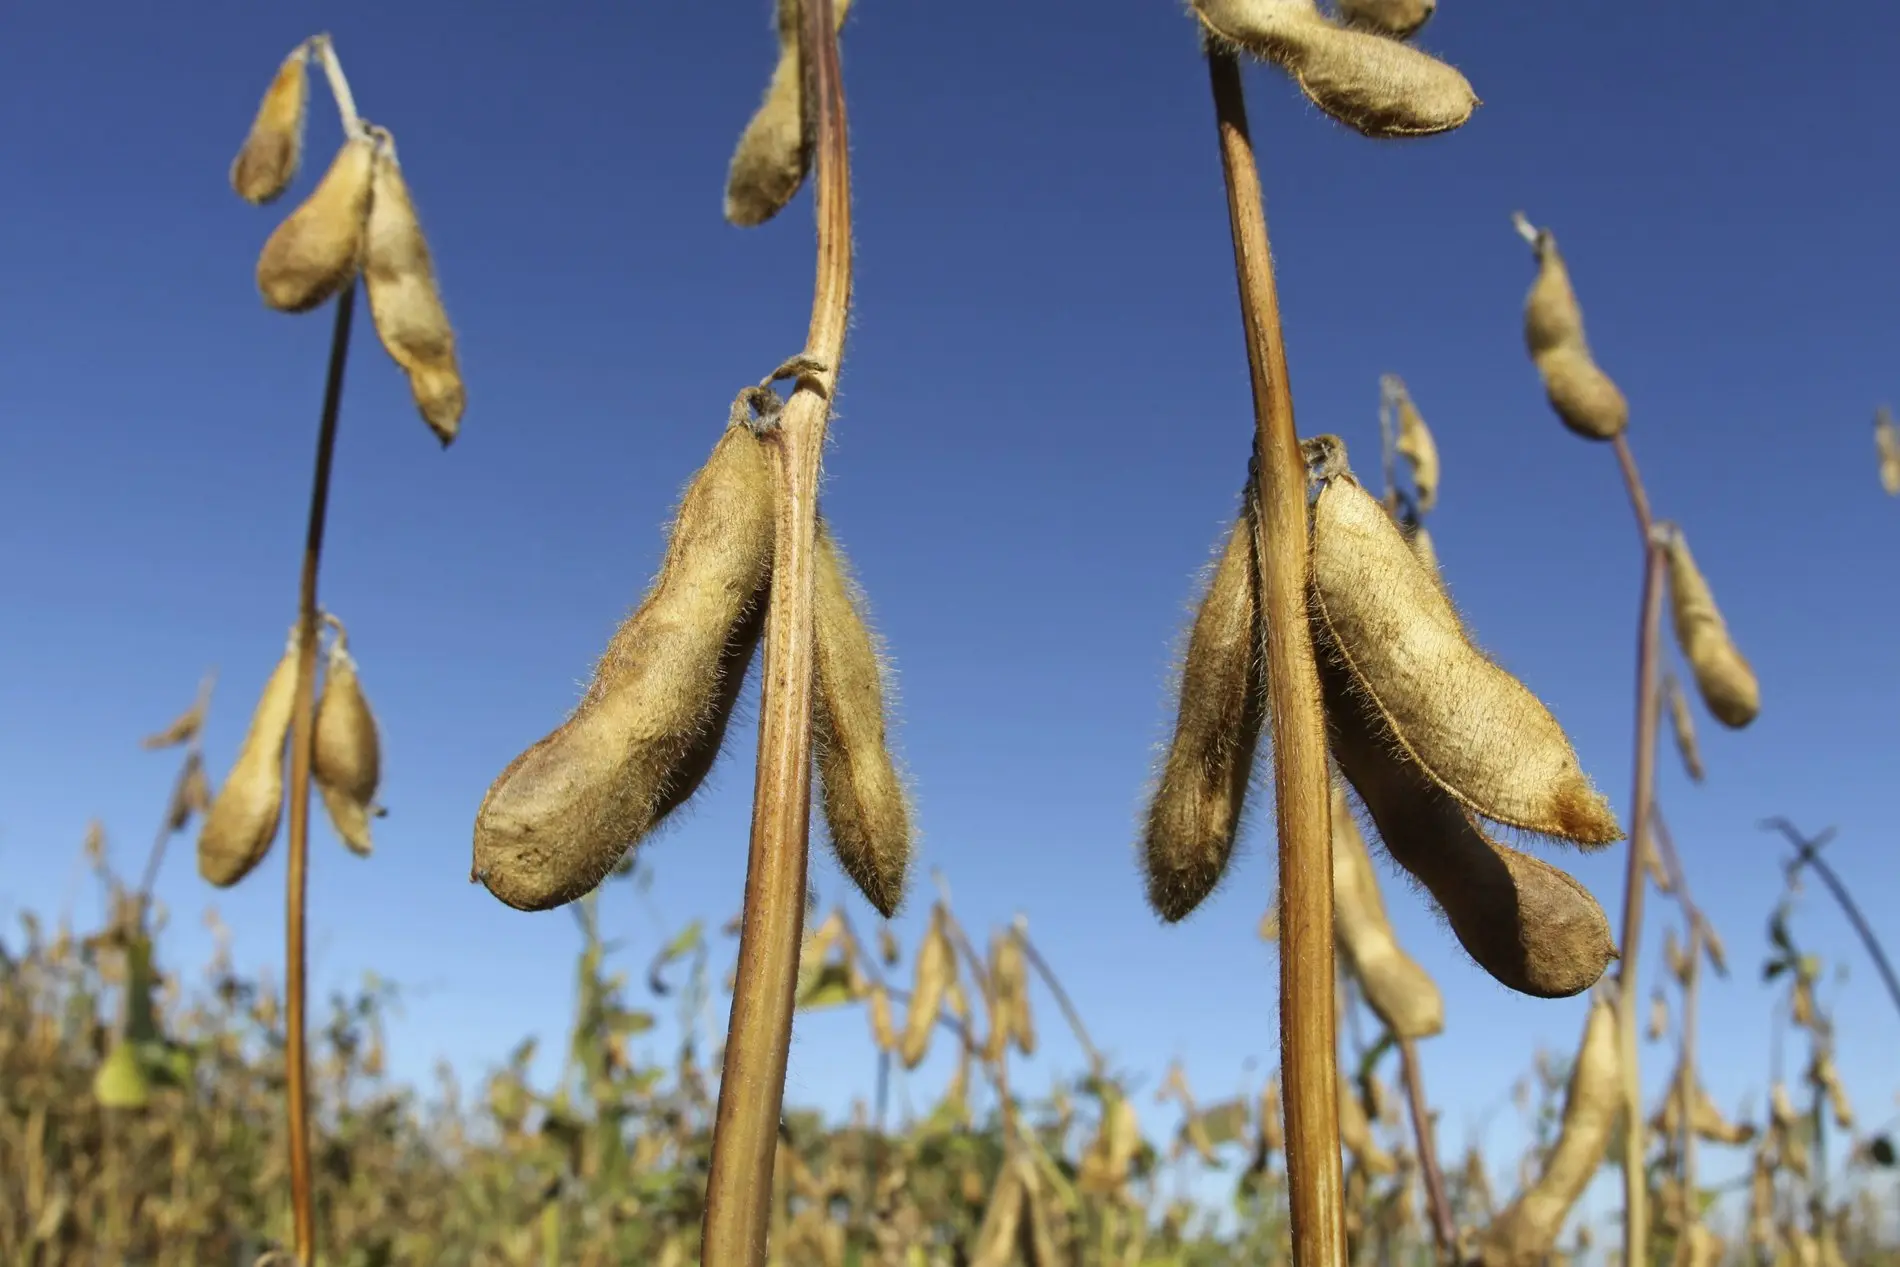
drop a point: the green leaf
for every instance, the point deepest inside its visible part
(626, 1021)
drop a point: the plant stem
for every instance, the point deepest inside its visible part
(1648, 714)
(1686, 1146)
(1061, 996)
(759, 1032)
(1807, 853)
(1302, 786)
(1444, 1227)
(302, 726)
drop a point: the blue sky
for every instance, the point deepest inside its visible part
(1042, 424)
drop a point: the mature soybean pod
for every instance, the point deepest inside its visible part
(1581, 394)
(238, 828)
(1196, 810)
(1476, 730)
(346, 756)
(267, 162)
(1524, 1234)
(406, 302)
(1399, 19)
(1416, 446)
(1723, 676)
(1527, 923)
(315, 252)
(867, 812)
(774, 151)
(1402, 994)
(649, 726)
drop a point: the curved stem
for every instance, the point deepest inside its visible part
(1302, 785)
(1807, 854)
(1444, 1227)
(758, 1035)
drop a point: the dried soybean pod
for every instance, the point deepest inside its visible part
(1400, 19)
(1710, 1124)
(1684, 726)
(1403, 994)
(1887, 447)
(1417, 447)
(882, 1032)
(1355, 1132)
(935, 971)
(1527, 923)
(346, 759)
(1826, 1077)
(1476, 730)
(404, 299)
(774, 151)
(1658, 1016)
(1377, 86)
(651, 723)
(1584, 398)
(315, 252)
(267, 162)
(238, 828)
(995, 1244)
(1552, 317)
(1725, 679)
(867, 813)
(1527, 1230)
(1195, 813)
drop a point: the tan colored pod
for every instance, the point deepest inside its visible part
(346, 759)
(1195, 812)
(405, 300)
(1658, 1016)
(1403, 994)
(315, 252)
(1355, 1132)
(1887, 448)
(866, 809)
(1583, 397)
(267, 162)
(440, 397)
(1684, 725)
(1710, 1124)
(1417, 447)
(1527, 923)
(998, 1234)
(933, 975)
(883, 1033)
(774, 152)
(1475, 730)
(1375, 85)
(1527, 1229)
(1552, 317)
(652, 721)
(238, 828)
(1722, 675)
(1400, 19)
(1699, 1247)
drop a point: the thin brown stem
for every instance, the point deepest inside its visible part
(1302, 801)
(1061, 996)
(296, 1072)
(758, 1034)
(1807, 853)
(193, 751)
(1686, 1144)
(1444, 1227)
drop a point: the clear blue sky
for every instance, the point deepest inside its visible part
(1042, 425)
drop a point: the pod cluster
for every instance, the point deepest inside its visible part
(1432, 735)
(651, 722)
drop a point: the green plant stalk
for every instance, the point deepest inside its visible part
(759, 1031)
(302, 728)
(1302, 785)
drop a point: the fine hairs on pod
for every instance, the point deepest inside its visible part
(651, 723)
(774, 151)
(866, 809)
(267, 162)
(238, 828)
(1524, 1234)
(1400, 19)
(1724, 678)
(1403, 994)
(1582, 395)
(1195, 813)
(315, 252)
(346, 759)
(1529, 924)
(1375, 85)
(404, 299)
(1473, 728)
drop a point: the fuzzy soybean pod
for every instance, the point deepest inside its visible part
(934, 974)
(267, 162)
(346, 759)
(405, 300)
(1402, 994)
(774, 151)
(651, 723)
(238, 828)
(867, 813)
(1195, 812)
(316, 250)
(1527, 923)
(1527, 1230)
(1474, 729)
(1417, 447)
(1377, 86)
(1724, 678)
(1582, 395)
(1399, 19)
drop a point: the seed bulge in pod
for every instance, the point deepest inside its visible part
(1403, 994)
(651, 723)
(1473, 728)
(404, 298)
(238, 828)
(1375, 85)
(1399, 19)
(1417, 447)
(268, 161)
(867, 812)
(1195, 812)
(315, 252)
(774, 151)
(1527, 923)
(1525, 1233)
(346, 760)
(1725, 679)
(1582, 395)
